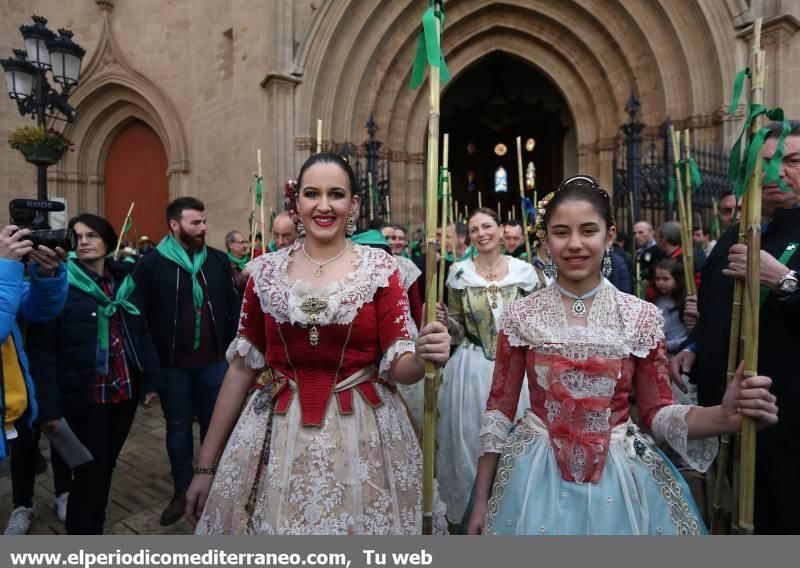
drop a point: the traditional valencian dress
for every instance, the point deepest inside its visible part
(476, 306)
(576, 464)
(324, 444)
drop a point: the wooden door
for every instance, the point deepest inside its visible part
(136, 171)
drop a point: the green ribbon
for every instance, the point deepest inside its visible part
(784, 259)
(128, 225)
(744, 155)
(239, 262)
(259, 190)
(170, 249)
(429, 48)
(106, 307)
(442, 173)
(695, 179)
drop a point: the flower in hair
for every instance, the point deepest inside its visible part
(290, 197)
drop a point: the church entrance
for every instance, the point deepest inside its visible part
(484, 109)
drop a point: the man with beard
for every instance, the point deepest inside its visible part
(191, 303)
(705, 356)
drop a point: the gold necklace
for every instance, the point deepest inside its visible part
(320, 265)
(492, 288)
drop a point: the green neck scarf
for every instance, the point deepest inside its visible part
(170, 249)
(107, 307)
(240, 262)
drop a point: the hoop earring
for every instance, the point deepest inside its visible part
(550, 269)
(350, 228)
(607, 268)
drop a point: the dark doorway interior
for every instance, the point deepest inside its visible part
(484, 110)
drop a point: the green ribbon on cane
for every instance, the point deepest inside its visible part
(680, 170)
(259, 190)
(429, 48)
(106, 307)
(743, 160)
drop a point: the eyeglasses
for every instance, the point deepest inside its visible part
(90, 236)
(726, 210)
(241, 242)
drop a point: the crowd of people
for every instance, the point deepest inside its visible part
(301, 360)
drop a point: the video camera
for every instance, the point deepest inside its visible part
(32, 214)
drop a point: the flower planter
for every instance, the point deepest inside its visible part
(41, 155)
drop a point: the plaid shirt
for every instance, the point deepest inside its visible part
(116, 386)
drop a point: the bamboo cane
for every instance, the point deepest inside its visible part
(715, 214)
(431, 372)
(371, 198)
(388, 210)
(498, 212)
(752, 292)
(443, 240)
(261, 206)
(253, 223)
(466, 213)
(319, 135)
(734, 348)
(522, 200)
(480, 202)
(688, 251)
(123, 232)
(513, 211)
(688, 273)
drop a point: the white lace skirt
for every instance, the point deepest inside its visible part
(359, 473)
(462, 401)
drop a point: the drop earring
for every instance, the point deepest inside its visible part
(607, 267)
(550, 270)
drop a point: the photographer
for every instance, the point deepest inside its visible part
(94, 362)
(38, 299)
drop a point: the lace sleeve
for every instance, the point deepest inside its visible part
(495, 427)
(669, 425)
(397, 349)
(242, 347)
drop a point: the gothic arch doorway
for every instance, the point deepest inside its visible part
(484, 109)
(136, 171)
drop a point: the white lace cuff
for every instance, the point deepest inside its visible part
(241, 347)
(398, 348)
(669, 425)
(495, 427)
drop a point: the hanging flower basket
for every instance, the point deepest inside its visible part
(40, 146)
(37, 154)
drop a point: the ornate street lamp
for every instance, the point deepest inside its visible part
(26, 78)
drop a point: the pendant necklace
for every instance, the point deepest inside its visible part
(320, 265)
(492, 288)
(578, 307)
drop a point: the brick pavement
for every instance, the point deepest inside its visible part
(140, 490)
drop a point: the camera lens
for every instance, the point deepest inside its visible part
(53, 238)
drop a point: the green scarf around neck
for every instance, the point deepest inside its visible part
(240, 262)
(170, 249)
(107, 307)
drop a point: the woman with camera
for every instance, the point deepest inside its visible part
(92, 365)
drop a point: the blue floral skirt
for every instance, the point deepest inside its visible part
(639, 492)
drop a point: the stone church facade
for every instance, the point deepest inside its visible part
(216, 80)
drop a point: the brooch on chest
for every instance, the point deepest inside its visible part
(313, 307)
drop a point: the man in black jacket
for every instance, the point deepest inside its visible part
(192, 305)
(778, 448)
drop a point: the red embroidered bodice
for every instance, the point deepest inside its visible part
(366, 323)
(580, 379)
